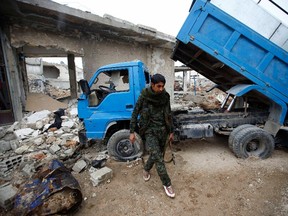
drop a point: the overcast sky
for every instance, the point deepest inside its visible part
(166, 16)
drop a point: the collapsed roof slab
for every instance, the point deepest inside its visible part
(51, 16)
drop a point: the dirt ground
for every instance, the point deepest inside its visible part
(207, 178)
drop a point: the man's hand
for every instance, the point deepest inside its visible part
(132, 137)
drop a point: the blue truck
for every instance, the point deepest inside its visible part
(250, 68)
(223, 41)
(106, 105)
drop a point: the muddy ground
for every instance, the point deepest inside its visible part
(207, 178)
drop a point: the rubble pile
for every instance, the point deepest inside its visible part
(57, 93)
(38, 84)
(29, 140)
(206, 100)
(28, 145)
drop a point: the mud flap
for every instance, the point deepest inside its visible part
(53, 190)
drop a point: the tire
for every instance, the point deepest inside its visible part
(121, 149)
(253, 141)
(234, 132)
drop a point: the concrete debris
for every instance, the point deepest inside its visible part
(29, 170)
(54, 148)
(22, 149)
(102, 175)
(36, 140)
(37, 116)
(10, 163)
(27, 138)
(79, 166)
(7, 195)
(4, 146)
(202, 97)
(23, 133)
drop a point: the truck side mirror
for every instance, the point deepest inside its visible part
(85, 87)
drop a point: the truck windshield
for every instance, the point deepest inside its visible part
(117, 80)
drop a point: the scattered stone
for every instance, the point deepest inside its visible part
(22, 149)
(79, 166)
(4, 146)
(14, 144)
(38, 116)
(29, 170)
(54, 148)
(13, 127)
(23, 133)
(67, 136)
(7, 195)
(50, 139)
(102, 175)
(69, 152)
(73, 112)
(68, 124)
(38, 141)
(70, 143)
(38, 156)
(9, 136)
(3, 131)
(26, 143)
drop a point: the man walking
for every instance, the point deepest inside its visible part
(155, 125)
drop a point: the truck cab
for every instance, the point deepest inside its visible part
(106, 105)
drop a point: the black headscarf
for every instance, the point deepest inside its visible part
(156, 99)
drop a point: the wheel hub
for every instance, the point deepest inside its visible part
(252, 146)
(125, 148)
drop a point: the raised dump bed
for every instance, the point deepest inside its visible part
(236, 57)
(243, 49)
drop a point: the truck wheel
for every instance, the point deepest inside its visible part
(234, 132)
(253, 141)
(120, 148)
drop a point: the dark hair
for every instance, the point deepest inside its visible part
(157, 78)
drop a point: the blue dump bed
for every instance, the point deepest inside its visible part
(234, 56)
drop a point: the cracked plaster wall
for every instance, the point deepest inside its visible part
(97, 51)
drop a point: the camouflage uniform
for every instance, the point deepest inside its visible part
(155, 125)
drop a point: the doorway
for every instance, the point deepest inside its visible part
(6, 112)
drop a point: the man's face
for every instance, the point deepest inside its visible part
(158, 88)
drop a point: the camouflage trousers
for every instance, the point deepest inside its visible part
(155, 140)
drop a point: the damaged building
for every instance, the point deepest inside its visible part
(37, 28)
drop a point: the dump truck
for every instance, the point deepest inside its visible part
(242, 48)
(249, 64)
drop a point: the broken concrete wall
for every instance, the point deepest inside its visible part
(161, 63)
(54, 74)
(29, 37)
(105, 51)
(34, 66)
(98, 51)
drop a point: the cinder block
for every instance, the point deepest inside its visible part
(8, 164)
(79, 166)
(101, 175)
(54, 148)
(7, 196)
